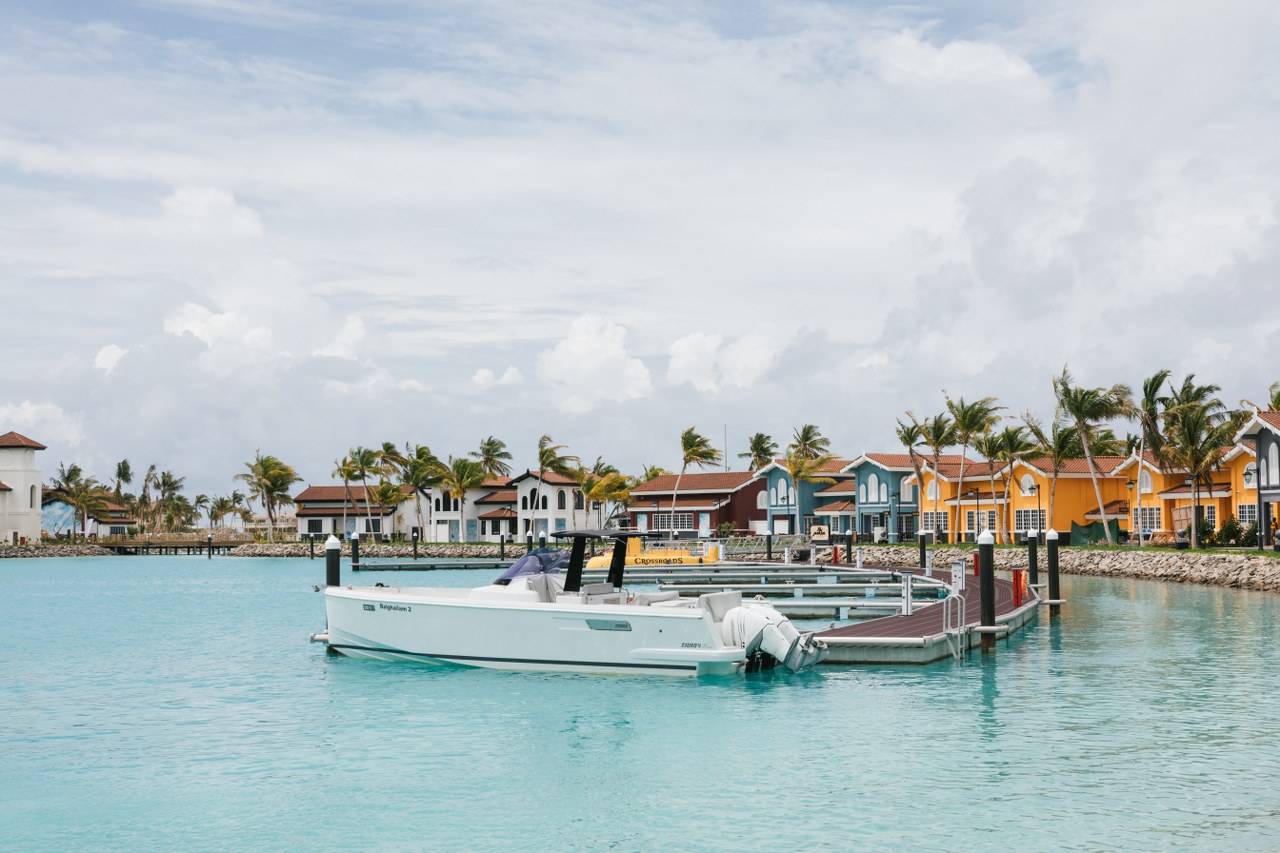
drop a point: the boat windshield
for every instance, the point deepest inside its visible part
(536, 562)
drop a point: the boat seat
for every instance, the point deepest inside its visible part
(597, 588)
(647, 598)
(720, 603)
(545, 587)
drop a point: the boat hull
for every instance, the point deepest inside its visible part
(569, 637)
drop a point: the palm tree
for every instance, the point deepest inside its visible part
(84, 495)
(493, 456)
(269, 481)
(391, 459)
(1198, 437)
(1087, 409)
(1005, 448)
(938, 433)
(1058, 445)
(390, 496)
(809, 442)
(695, 449)
(761, 450)
(1273, 399)
(803, 467)
(457, 476)
(343, 470)
(124, 476)
(650, 472)
(219, 508)
(603, 488)
(421, 473)
(971, 420)
(550, 459)
(912, 436)
(199, 502)
(364, 463)
(1149, 411)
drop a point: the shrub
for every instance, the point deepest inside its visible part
(1230, 531)
(1249, 538)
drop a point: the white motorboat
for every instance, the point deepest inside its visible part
(540, 616)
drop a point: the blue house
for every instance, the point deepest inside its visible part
(886, 496)
(1263, 429)
(791, 508)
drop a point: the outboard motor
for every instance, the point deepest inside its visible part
(770, 639)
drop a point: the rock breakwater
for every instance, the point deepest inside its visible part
(53, 551)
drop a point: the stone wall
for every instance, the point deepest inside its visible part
(53, 551)
(1241, 569)
(375, 550)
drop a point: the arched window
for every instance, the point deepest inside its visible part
(862, 493)
(783, 490)
(437, 504)
(905, 489)
(1273, 465)
(884, 493)
(873, 485)
(773, 495)
(457, 504)
(524, 502)
(1144, 482)
(1026, 484)
(533, 496)
(760, 500)
(932, 492)
(544, 501)
(32, 499)
(577, 500)
(560, 501)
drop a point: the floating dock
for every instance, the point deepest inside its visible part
(947, 629)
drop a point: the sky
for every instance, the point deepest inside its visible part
(298, 227)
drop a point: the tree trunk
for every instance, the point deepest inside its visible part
(1137, 515)
(675, 491)
(1093, 476)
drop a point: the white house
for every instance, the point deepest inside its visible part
(20, 492)
(546, 505)
(345, 510)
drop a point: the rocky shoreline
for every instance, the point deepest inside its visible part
(1236, 569)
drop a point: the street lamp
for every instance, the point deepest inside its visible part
(1248, 477)
(972, 495)
(1035, 490)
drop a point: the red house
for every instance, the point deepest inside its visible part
(704, 502)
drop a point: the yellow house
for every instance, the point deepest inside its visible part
(1167, 495)
(957, 511)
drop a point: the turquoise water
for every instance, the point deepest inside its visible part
(174, 703)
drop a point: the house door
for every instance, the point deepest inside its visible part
(453, 531)
(471, 530)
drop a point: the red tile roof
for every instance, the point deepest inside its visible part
(500, 512)
(972, 470)
(838, 506)
(13, 439)
(903, 460)
(717, 481)
(682, 502)
(495, 482)
(337, 493)
(1270, 417)
(1104, 464)
(501, 496)
(549, 477)
(4, 488)
(1113, 509)
(334, 511)
(843, 487)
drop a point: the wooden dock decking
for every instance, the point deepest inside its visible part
(922, 636)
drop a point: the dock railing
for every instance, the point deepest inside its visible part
(756, 546)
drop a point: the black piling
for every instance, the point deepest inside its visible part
(921, 536)
(355, 552)
(502, 546)
(1051, 545)
(848, 554)
(1033, 557)
(208, 542)
(768, 546)
(415, 544)
(311, 540)
(987, 587)
(528, 543)
(542, 540)
(332, 561)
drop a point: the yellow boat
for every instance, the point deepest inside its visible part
(638, 555)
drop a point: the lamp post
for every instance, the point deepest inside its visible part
(893, 517)
(972, 495)
(1035, 490)
(1129, 488)
(1191, 481)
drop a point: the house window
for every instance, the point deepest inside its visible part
(986, 517)
(932, 494)
(524, 501)
(437, 504)
(315, 525)
(1028, 519)
(1211, 515)
(560, 502)
(1247, 514)
(782, 492)
(1146, 518)
(884, 493)
(1273, 465)
(375, 525)
(544, 501)
(934, 520)
(862, 493)
(1251, 471)
(773, 495)
(577, 500)
(1026, 484)
(907, 490)
(873, 485)
(760, 500)
(682, 521)
(31, 504)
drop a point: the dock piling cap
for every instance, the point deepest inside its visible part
(332, 543)
(1052, 534)
(985, 538)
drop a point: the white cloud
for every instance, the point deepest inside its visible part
(204, 209)
(347, 340)
(710, 363)
(484, 378)
(47, 423)
(108, 357)
(693, 360)
(234, 345)
(591, 366)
